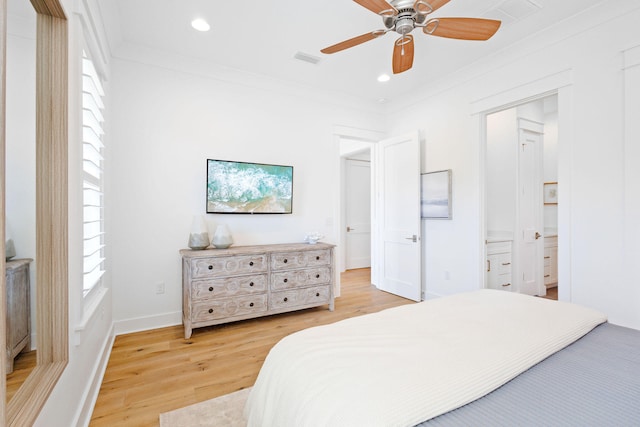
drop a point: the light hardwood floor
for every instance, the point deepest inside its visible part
(158, 371)
(24, 363)
(552, 293)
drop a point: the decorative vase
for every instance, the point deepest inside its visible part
(199, 236)
(222, 237)
(312, 238)
(9, 247)
(9, 250)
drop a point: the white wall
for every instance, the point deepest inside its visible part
(631, 149)
(167, 121)
(588, 49)
(20, 167)
(501, 177)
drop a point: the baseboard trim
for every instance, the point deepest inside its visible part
(431, 295)
(90, 395)
(149, 322)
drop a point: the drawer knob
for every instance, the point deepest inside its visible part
(210, 288)
(317, 294)
(286, 299)
(285, 280)
(317, 258)
(317, 276)
(251, 263)
(251, 284)
(285, 260)
(210, 310)
(211, 267)
(251, 305)
(506, 284)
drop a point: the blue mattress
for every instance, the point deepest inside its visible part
(593, 382)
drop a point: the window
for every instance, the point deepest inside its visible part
(93, 185)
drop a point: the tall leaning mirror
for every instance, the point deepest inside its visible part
(20, 193)
(51, 241)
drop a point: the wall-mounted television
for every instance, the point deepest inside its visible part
(248, 188)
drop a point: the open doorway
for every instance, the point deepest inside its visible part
(355, 234)
(357, 209)
(521, 181)
(386, 226)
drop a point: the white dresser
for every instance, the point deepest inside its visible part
(18, 312)
(243, 282)
(550, 261)
(498, 268)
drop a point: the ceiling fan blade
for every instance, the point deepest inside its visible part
(353, 42)
(429, 6)
(462, 28)
(381, 7)
(403, 54)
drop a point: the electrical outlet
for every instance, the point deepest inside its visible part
(160, 288)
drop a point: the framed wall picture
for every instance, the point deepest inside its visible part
(550, 193)
(435, 197)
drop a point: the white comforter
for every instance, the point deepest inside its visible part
(405, 365)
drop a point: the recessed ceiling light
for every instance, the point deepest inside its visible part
(200, 24)
(384, 78)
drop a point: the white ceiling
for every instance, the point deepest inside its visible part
(262, 37)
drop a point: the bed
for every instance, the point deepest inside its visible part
(480, 358)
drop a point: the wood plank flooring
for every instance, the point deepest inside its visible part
(552, 293)
(23, 364)
(158, 371)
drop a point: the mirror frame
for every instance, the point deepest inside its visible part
(51, 211)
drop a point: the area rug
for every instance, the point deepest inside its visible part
(222, 411)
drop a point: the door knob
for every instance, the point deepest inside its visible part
(538, 235)
(349, 229)
(413, 238)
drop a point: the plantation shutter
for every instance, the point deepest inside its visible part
(92, 148)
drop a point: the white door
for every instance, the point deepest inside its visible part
(398, 216)
(530, 265)
(358, 213)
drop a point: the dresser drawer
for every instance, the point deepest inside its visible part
(229, 307)
(500, 263)
(504, 264)
(289, 260)
(228, 286)
(297, 278)
(228, 266)
(502, 283)
(299, 297)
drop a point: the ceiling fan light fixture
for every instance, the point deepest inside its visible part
(412, 14)
(200, 25)
(382, 78)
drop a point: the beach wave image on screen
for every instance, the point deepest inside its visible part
(241, 187)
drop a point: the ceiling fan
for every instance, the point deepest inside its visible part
(403, 16)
